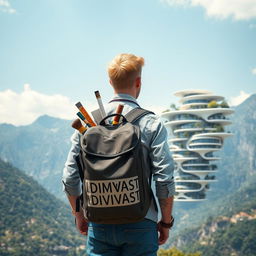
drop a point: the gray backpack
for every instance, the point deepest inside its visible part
(115, 171)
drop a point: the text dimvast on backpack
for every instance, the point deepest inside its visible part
(112, 193)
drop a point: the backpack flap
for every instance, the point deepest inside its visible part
(109, 141)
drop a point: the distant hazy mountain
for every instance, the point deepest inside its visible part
(40, 149)
(32, 221)
(238, 164)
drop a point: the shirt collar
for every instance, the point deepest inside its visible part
(124, 96)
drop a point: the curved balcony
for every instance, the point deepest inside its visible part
(192, 130)
(204, 148)
(194, 106)
(187, 93)
(196, 161)
(194, 99)
(202, 98)
(197, 114)
(182, 144)
(209, 140)
(179, 159)
(221, 135)
(200, 167)
(197, 172)
(191, 185)
(204, 145)
(209, 156)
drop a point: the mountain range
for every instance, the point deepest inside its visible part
(40, 149)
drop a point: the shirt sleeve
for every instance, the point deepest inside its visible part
(71, 179)
(161, 160)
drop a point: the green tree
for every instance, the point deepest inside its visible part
(173, 106)
(186, 134)
(199, 125)
(218, 128)
(212, 104)
(224, 104)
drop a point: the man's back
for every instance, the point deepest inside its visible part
(138, 238)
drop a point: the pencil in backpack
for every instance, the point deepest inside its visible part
(81, 116)
(85, 113)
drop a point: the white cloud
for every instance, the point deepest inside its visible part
(234, 101)
(23, 108)
(254, 71)
(237, 9)
(5, 6)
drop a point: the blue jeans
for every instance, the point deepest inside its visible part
(133, 239)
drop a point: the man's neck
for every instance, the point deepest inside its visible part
(133, 94)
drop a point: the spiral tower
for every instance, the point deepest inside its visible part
(196, 132)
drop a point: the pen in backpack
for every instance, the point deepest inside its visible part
(118, 112)
(78, 126)
(85, 114)
(80, 115)
(102, 110)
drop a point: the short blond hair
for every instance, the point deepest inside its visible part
(124, 69)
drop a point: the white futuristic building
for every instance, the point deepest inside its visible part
(196, 133)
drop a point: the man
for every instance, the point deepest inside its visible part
(139, 238)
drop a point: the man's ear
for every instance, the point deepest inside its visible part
(138, 81)
(110, 81)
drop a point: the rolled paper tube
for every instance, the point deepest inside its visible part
(102, 110)
(80, 115)
(118, 112)
(78, 126)
(85, 113)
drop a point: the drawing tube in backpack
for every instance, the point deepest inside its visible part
(118, 113)
(101, 107)
(76, 124)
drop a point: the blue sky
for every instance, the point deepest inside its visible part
(54, 53)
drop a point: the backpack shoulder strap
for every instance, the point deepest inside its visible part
(137, 113)
(132, 116)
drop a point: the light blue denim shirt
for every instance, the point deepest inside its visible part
(153, 135)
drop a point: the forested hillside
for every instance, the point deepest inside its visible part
(233, 231)
(32, 221)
